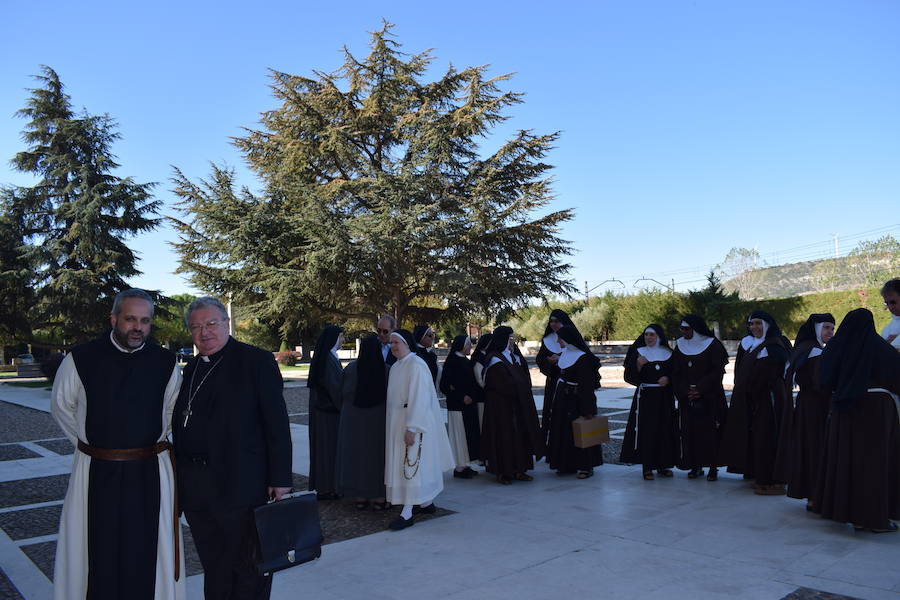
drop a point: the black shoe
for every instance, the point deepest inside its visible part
(427, 510)
(401, 523)
(472, 472)
(463, 474)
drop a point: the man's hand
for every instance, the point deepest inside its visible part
(409, 438)
(275, 493)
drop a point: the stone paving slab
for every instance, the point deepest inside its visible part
(7, 590)
(33, 491)
(31, 522)
(15, 452)
(61, 446)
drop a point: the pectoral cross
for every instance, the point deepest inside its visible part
(187, 415)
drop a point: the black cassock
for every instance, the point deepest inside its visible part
(125, 396)
(457, 382)
(430, 359)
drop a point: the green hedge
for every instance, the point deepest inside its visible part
(621, 317)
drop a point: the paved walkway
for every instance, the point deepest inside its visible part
(611, 536)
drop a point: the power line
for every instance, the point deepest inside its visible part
(836, 247)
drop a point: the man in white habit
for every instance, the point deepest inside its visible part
(417, 450)
(113, 398)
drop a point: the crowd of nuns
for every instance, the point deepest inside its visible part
(818, 419)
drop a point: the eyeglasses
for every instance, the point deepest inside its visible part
(195, 327)
(383, 331)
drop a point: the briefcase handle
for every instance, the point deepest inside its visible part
(291, 495)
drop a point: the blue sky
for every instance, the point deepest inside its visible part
(687, 127)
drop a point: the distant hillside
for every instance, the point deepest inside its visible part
(833, 274)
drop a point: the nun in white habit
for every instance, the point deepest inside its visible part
(417, 450)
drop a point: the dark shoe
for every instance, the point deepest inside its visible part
(463, 474)
(361, 505)
(713, 475)
(401, 523)
(522, 477)
(380, 506)
(472, 472)
(428, 510)
(503, 480)
(648, 476)
(584, 474)
(664, 472)
(695, 473)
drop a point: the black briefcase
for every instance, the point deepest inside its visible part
(289, 531)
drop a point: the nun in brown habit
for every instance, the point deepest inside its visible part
(750, 440)
(860, 476)
(700, 361)
(650, 436)
(804, 421)
(511, 435)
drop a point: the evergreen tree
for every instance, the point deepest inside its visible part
(708, 302)
(76, 217)
(378, 197)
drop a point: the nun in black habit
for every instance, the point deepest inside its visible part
(324, 383)
(650, 437)
(579, 376)
(478, 356)
(423, 335)
(860, 475)
(700, 361)
(805, 419)
(750, 441)
(460, 388)
(511, 435)
(547, 359)
(360, 461)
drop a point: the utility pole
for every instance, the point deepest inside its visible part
(834, 236)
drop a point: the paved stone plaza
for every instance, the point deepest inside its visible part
(611, 536)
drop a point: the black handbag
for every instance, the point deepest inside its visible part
(289, 531)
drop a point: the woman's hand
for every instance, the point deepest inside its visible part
(553, 359)
(663, 381)
(641, 361)
(409, 438)
(467, 400)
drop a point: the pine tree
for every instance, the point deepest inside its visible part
(76, 218)
(379, 177)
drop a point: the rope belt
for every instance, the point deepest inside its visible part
(128, 454)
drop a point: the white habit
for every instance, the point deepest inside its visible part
(412, 404)
(68, 405)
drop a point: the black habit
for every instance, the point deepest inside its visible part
(650, 436)
(325, 399)
(125, 393)
(750, 440)
(457, 382)
(700, 419)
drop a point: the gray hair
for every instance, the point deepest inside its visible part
(390, 318)
(132, 293)
(204, 302)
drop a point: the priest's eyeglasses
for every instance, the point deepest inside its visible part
(195, 327)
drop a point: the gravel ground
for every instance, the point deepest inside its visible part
(29, 424)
